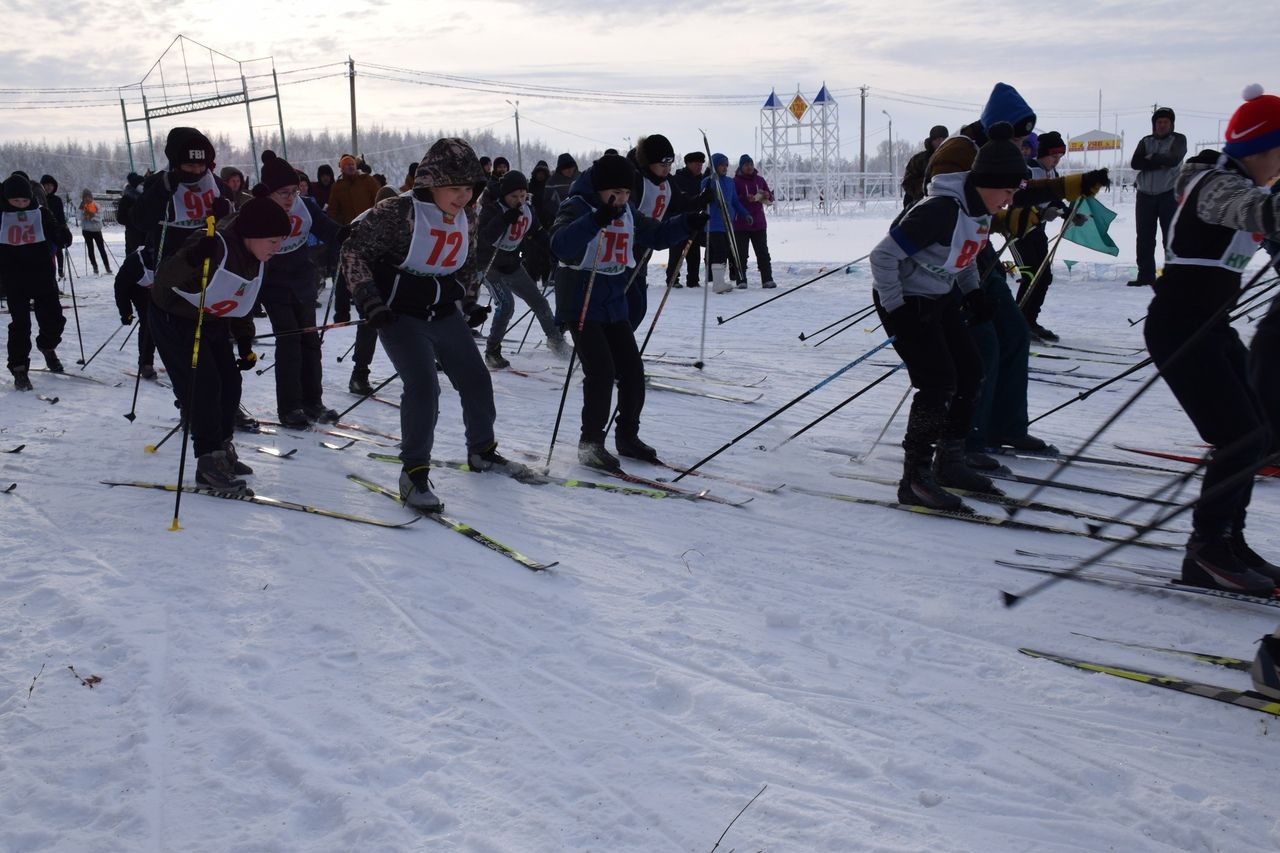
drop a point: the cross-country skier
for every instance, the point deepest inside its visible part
(29, 237)
(133, 284)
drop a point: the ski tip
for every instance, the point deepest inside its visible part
(1010, 510)
(720, 322)
(10, 488)
(1094, 529)
(697, 364)
(1009, 599)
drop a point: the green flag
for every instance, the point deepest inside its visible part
(1092, 233)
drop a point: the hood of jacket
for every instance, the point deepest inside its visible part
(956, 185)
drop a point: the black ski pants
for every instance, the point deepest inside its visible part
(216, 377)
(1033, 249)
(298, 371)
(140, 298)
(1150, 211)
(1264, 369)
(21, 291)
(759, 243)
(609, 354)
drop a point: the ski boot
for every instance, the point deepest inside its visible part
(1265, 671)
(487, 458)
(237, 467)
(629, 445)
(768, 285)
(320, 413)
(359, 383)
(51, 360)
(493, 358)
(1211, 563)
(22, 380)
(147, 371)
(950, 469)
(1043, 334)
(213, 471)
(1028, 443)
(295, 419)
(558, 347)
(593, 455)
(979, 461)
(246, 422)
(719, 280)
(415, 489)
(919, 488)
(1251, 559)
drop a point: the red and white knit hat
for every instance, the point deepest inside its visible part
(1255, 126)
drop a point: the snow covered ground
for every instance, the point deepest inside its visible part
(275, 681)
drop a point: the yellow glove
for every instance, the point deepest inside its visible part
(1016, 221)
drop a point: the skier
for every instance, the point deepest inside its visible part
(235, 181)
(133, 236)
(718, 255)
(1224, 212)
(54, 202)
(506, 223)
(289, 295)
(175, 201)
(1033, 247)
(408, 264)
(133, 284)
(924, 273)
(595, 236)
(91, 230)
(29, 237)
(237, 257)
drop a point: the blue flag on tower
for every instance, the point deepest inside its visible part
(1092, 233)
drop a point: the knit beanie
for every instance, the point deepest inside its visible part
(277, 173)
(1005, 104)
(187, 145)
(1255, 125)
(612, 172)
(261, 217)
(1165, 112)
(323, 170)
(718, 160)
(133, 179)
(501, 161)
(939, 131)
(511, 182)
(744, 160)
(999, 164)
(1051, 142)
(16, 186)
(654, 148)
(695, 157)
(344, 158)
(385, 193)
(1032, 142)
(450, 162)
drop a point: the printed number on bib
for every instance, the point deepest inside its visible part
(442, 240)
(197, 204)
(615, 248)
(518, 229)
(295, 226)
(968, 252)
(20, 234)
(659, 207)
(222, 308)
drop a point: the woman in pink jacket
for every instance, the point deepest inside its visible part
(754, 193)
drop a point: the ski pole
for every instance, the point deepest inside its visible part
(348, 352)
(136, 323)
(323, 328)
(379, 387)
(833, 323)
(886, 342)
(328, 303)
(855, 395)
(75, 310)
(1185, 347)
(1037, 279)
(702, 330)
(191, 394)
(1227, 485)
(99, 349)
(724, 213)
(573, 353)
(864, 314)
(268, 368)
(720, 321)
(892, 417)
(133, 408)
(152, 448)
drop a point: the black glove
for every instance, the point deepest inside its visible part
(1095, 180)
(202, 250)
(697, 221)
(246, 361)
(511, 215)
(704, 198)
(342, 316)
(379, 317)
(979, 307)
(126, 319)
(221, 207)
(476, 315)
(605, 214)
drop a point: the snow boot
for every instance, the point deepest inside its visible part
(593, 455)
(237, 467)
(1252, 560)
(979, 461)
(719, 281)
(1042, 333)
(415, 489)
(246, 422)
(295, 419)
(919, 488)
(21, 380)
(558, 347)
(213, 471)
(950, 469)
(51, 360)
(629, 445)
(487, 458)
(147, 371)
(359, 383)
(493, 358)
(742, 285)
(320, 413)
(1210, 562)
(1265, 671)
(1030, 444)
(768, 285)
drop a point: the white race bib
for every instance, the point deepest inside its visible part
(439, 245)
(1243, 246)
(299, 226)
(148, 275)
(610, 251)
(227, 294)
(191, 203)
(22, 227)
(968, 238)
(656, 199)
(511, 238)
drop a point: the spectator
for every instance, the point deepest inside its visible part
(56, 209)
(913, 175)
(91, 228)
(719, 231)
(559, 183)
(1156, 160)
(538, 261)
(352, 194)
(323, 185)
(486, 166)
(408, 179)
(134, 237)
(689, 182)
(754, 193)
(501, 165)
(234, 179)
(1034, 245)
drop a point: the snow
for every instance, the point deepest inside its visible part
(277, 681)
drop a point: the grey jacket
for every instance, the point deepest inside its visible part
(1157, 161)
(928, 251)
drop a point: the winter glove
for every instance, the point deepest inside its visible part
(1051, 212)
(221, 207)
(126, 319)
(750, 220)
(246, 361)
(379, 317)
(1088, 183)
(201, 250)
(511, 216)
(476, 315)
(979, 307)
(342, 316)
(704, 199)
(697, 221)
(605, 215)
(1019, 221)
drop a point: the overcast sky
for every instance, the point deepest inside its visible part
(1138, 52)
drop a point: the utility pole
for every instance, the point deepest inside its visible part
(351, 75)
(519, 150)
(892, 170)
(862, 146)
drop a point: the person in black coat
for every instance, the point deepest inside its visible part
(133, 284)
(59, 211)
(175, 201)
(689, 182)
(29, 237)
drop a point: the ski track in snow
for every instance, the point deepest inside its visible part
(275, 681)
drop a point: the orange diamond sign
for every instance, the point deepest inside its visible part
(798, 106)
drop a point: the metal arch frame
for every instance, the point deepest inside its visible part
(232, 97)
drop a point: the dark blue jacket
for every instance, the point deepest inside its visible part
(573, 231)
(294, 275)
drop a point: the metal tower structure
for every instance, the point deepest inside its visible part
(167, 89)
(800, 150)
